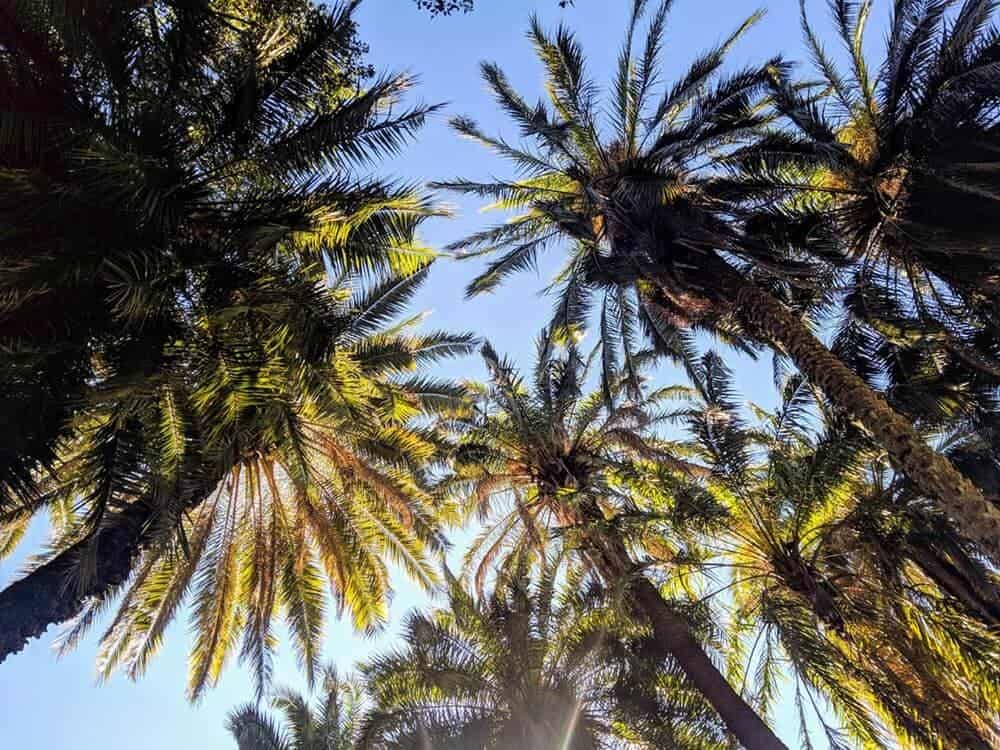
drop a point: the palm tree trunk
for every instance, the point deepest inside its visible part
(673, 632)
(50, 594)
(608, 554)
(932, 473)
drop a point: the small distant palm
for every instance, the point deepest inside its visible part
(546, 461)
(332, 723)
(525, 667)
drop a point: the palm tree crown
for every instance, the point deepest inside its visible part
(331, 724)
(241, 390)
(903, 155)
(637, 203)
(534, 455)
(526, 666)
(167, 155)
(840, 572)
(546, 462)
(326, 485)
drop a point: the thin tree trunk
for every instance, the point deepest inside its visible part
(672, 633)
(52, 593)
(932, 473)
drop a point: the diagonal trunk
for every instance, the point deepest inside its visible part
(608, 554)
(48, 595)
(673, 633)
(931, 472)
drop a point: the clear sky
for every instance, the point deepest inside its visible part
(52, 704)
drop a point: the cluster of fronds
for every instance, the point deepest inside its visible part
(535, 664)
(533, 454)
(332, 723)
(325, 485)
(832, 565)
(190, 153)
(214, 356)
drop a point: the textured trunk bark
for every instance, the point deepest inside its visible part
(608, 554)
(48, 595)
(932, 473)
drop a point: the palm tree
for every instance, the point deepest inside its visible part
(902, 155)
(907, 531)
(530, 665)
(153, 149)
(949, 397)
(653, 223)
(324, 483)
(590, 470)
(829, 571)
(332, 724)
(191, 180)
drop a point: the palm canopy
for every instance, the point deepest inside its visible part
(902, 155)
(945, 381)
(157, 156)
(198, 174)
(332, 723)
(532, 665)
(323, 479)
(635, 196)
(534, 454)
(833, 566)
(542, 461)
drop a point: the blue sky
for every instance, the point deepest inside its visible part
(51, 704)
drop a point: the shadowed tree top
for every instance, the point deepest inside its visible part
(330, 722)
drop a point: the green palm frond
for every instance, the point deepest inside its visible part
(256, 113)
(897, 140)
(331, 722)
(327, 488)
(234, 398)
(823, 565)
(254, 730)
